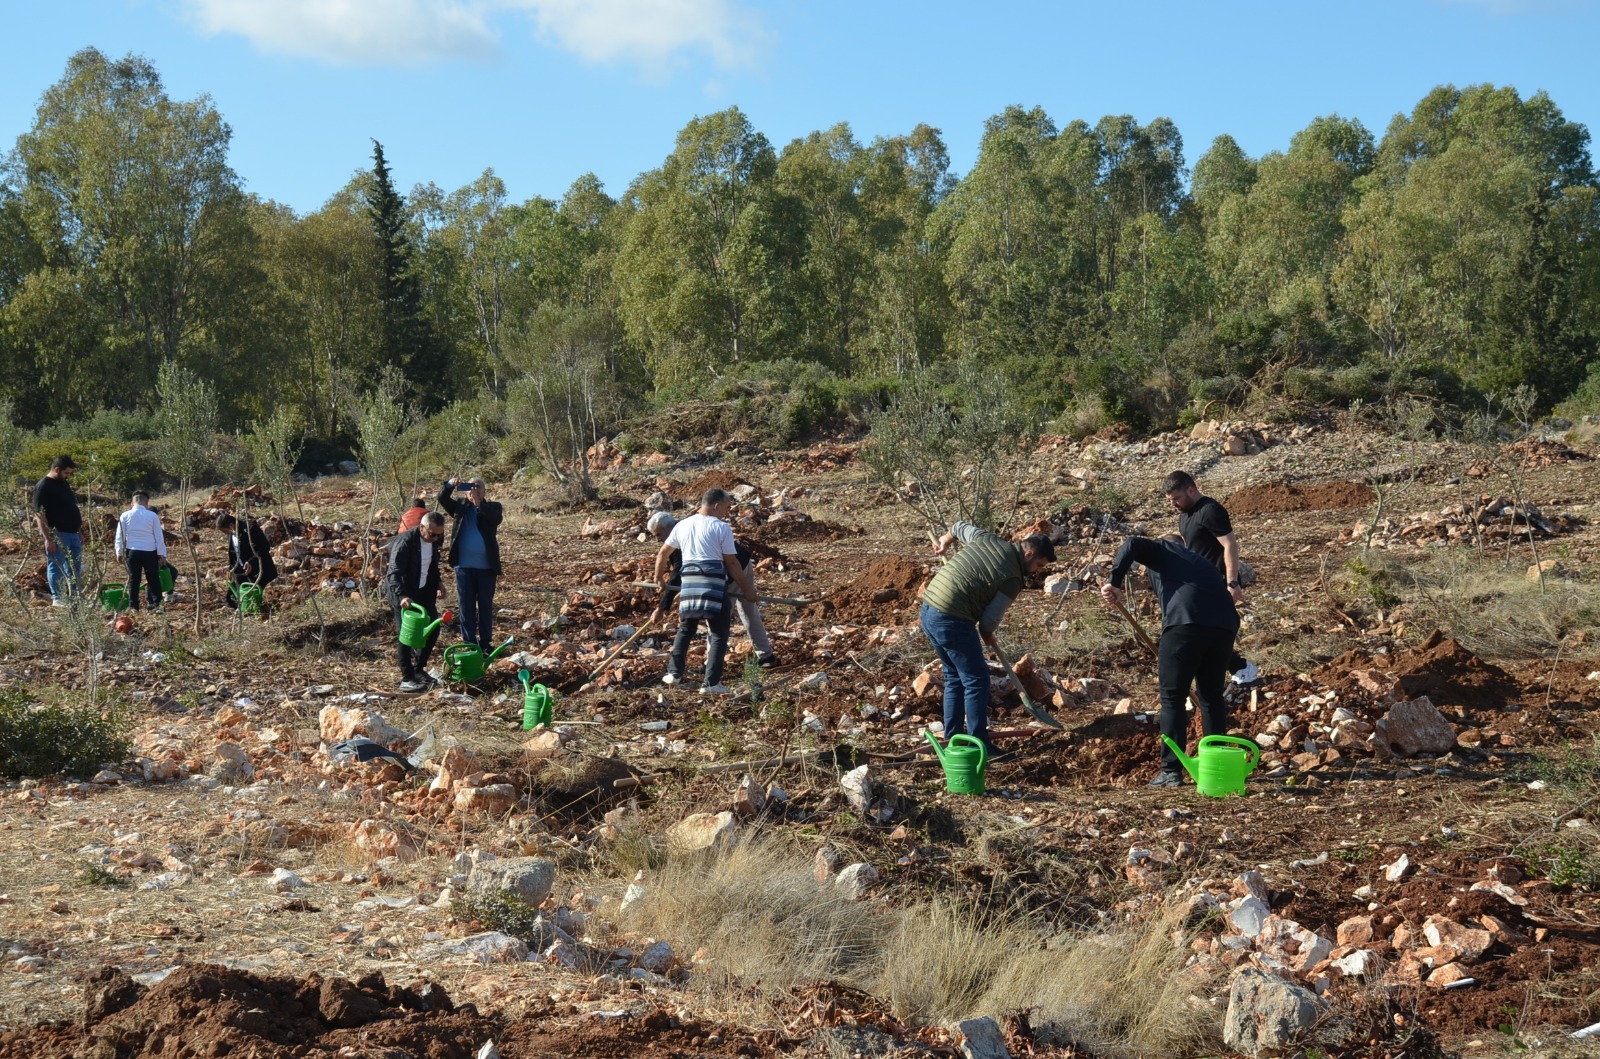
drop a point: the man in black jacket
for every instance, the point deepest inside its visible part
(249, 555)
(474, 555)
(413, 580)
(1198, 624)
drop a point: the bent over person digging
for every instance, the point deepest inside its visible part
(1198, 624)
(961, 609)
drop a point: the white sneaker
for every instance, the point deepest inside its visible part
(1248, 675)
(716, 689)
(670, 679)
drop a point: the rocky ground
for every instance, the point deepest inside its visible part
(1411, 872)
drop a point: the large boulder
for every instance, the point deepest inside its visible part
(1266, 1014)
(338, 724)
(528, 879)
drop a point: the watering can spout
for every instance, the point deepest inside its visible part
(490, 657)
(1190, 765)
(937, 749)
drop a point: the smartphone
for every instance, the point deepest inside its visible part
(464, 487)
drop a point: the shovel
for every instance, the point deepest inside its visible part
(1039, 713)
(1138, 630)
(601, 668)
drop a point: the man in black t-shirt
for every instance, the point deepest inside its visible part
(1205, 527)
(55, 511)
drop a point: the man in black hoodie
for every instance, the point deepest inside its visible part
(413, 580)
(1198, 624)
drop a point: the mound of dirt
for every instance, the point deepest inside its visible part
(800, 529)
(1449, 674)
(212, 1010)
(875, 597)
(1279, 497)
(691, 493)
(1439, 667)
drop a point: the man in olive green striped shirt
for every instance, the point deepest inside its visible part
(961, 608)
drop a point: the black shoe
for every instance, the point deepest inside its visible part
(768, 661)
(413, 687)
(1167, 779)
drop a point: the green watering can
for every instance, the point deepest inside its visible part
(538, 702)
(466, 662)
(249, 598)
(114, 597)
(964, 760)
(1220, 765)
(166, 579)
(415, 627)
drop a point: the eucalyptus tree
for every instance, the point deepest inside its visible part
(141, 229)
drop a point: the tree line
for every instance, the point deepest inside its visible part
(1455, 255)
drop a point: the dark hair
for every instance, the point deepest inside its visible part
(1040, 545)
(432, 518)
(714, 496)
(62, 462)
(140, 494)
(419, 502)
(226, 521)
(1175, 481)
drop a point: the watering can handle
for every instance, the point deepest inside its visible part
(416, 608)
(1254, 751)
(965, 740)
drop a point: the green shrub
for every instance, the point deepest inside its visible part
(116, 467)
(108, 424)
(38, 740)
(1308, 384)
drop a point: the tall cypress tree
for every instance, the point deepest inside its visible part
(408, 340)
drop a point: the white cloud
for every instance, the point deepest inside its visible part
(651, 34)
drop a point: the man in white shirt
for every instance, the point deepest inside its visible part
(142, 545)
(710, 561)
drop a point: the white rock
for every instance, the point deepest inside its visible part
(857, 785)
(528, 879)
(854, 881)
(1249, 915)
(700, 831)
(1396, 871)
(285, 881)
(1362, 963)
(658, 958)
(981, 1039)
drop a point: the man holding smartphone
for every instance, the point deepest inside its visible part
(474, 555)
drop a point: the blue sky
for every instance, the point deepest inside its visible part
(546, 90)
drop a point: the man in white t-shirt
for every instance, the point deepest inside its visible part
(709, 563)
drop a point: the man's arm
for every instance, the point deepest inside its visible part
(490, 515)
(991, 617)
(1230, 565)
(736, 572)
(664, 561)
(447, 499)
(118, 544)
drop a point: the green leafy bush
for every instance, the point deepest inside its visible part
(39, 740)
(116, 467)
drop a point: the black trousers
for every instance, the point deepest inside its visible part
(1196, 655)
(146, 565)
(413, 661)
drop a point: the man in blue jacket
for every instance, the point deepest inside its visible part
(1198, 624)
(474, 555)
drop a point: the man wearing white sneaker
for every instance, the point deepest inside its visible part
(1205, 527)
(710, 562)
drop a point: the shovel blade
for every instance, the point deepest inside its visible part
(1039, 713)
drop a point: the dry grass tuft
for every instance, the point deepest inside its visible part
(1490, 605)
(756, 914)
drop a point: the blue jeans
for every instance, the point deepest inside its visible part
(62, 580)
(475, 596)
(966, 674)
(717, 626)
